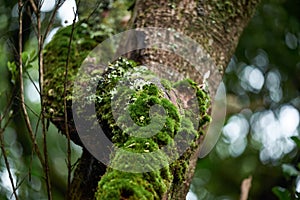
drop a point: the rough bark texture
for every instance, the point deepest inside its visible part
(216, 25)
(86, 177)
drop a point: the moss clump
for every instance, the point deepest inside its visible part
(90, 31)
(55, 62)
(142, 94)
(123, 185)
(124, 98)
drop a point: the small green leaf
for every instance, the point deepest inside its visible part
(290, 170)
(33, 56)
(25, 58)
(28, 59)
(12, 68)
(281, 193)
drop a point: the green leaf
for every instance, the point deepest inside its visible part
(281, 193)
(296, 140)
(25, 58)
(12, 68)
(33, 56)
(290, 170)
(28, 58)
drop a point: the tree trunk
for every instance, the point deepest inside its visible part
(215, 25)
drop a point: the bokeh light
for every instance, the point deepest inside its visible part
(252, 79)
(235, 132)
(67, 12)
(47, 5)
(274, 130)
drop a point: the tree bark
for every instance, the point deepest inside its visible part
(215, 25)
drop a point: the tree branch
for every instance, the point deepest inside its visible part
(23, 105)
(41, 83)
(69, 164)
(3, 149)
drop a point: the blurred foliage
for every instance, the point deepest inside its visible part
(26, 169)
(263, 84)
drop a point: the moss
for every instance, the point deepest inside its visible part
(114, 184)
(141, 97)
(117, 184)
(180, 168)
(167, 85)
(87, 34)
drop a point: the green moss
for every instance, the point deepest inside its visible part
(56, 53)
(117, 184)
(145, 185)
(167, 85)
(122, 185)
(180, 168)
(87, 34)
(141, 97)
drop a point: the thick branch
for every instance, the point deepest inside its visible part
(216, 25)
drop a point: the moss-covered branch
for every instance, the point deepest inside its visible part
(140, 169)
(216, 25)
(88, 33)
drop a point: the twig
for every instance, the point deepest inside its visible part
(23, 106)
(245, 188)
(7, 111)
(94, 11)
(41, 40)
(44, 161)
(69, 164)
(51, 21)
(28, 107)
(31, 80)
(7, 164)
(30, 15)
(41, 82)
(3, 150)
(34, 7)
